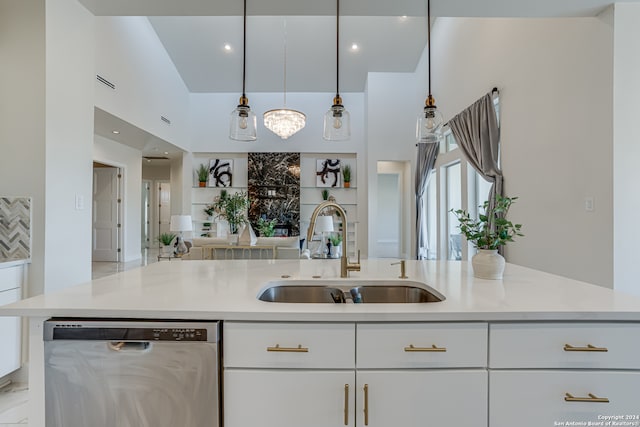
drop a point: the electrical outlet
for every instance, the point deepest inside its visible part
(588, 204)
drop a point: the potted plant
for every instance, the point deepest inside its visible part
(346, 175)
(490, 231)
(266, 228)
(203, 174)
(336, 242)
(232, 208)
(166, 239)
(325, 194)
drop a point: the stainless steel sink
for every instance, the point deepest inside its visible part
(349, 291)
(302, 294)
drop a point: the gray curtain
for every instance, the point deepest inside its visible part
(427, 155)
(477, 133)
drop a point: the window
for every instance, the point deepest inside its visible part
(453, 185)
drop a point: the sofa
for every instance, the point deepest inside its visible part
(285, 248)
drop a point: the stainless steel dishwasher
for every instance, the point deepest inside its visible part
(131, 373)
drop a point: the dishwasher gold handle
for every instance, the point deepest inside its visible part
(589, 347)
(568, 397)
(366, 404)
(433, 348)
(346, 404)
(298, 349)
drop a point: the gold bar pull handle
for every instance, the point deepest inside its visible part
(366, 404)
(346, 404)
(591, 399)
(433, 348)
(589, 347)
(298, 349)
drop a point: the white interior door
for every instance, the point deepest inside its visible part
(105, 214)
(164, 207)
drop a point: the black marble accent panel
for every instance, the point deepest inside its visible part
(274, 190)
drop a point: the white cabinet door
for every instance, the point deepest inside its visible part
(10, 335)
(418, 398)
(288, 398)
(539, 398)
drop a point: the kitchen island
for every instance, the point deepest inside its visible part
(501, 332)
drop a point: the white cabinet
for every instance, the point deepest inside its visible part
(544, 374)
(292, 374)
(417, 398)
(10, 327)
(288, 398)
(540, 398)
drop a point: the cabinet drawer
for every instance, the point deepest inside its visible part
(537, 398)
(565, 345)
(289, 345)
(421, 345)
(10, 278)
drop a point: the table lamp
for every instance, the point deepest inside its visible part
(324, 224)
(180, 223)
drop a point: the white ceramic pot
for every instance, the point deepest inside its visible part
(488, 264)
(167, 250)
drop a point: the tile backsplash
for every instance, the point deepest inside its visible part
(15, 228)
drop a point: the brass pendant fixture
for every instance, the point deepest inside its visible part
(243, 121)
(430, 120)
(337, 121)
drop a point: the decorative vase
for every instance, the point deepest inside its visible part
(488, 264)
(347, 184)
(232, 239)
(202, 184)
(167, 250)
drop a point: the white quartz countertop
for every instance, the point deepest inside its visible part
(228, 290)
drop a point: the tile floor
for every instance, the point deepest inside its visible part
(14, 398)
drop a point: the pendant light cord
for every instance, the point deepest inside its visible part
(244, 48)
(285, 62)
(337, 48)
(429, 42)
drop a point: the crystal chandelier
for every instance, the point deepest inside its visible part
(337, 126)
(430, 121)
(284, 122)
(243, 120)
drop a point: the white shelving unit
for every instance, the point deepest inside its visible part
(310, 195)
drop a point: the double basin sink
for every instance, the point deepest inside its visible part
(349, 291)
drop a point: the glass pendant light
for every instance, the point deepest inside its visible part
(337, 121)
(430, 121)
(243, 120)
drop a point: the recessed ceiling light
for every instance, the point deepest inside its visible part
(355, 46)
(227, 47)
(404, 16)
(115, 132)
(166, 152)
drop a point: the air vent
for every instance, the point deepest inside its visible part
(105, 81)
(164, 119)
(155, 158)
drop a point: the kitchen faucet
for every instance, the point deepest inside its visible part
(345, 265)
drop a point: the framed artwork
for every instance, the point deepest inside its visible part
(328, 172)
(220, 172)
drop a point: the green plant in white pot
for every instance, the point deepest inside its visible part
(490, 231)
(233, 209)
(166, 239)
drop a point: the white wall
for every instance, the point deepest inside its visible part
(394, 101)
(626, 149)
(130, 160)
(130, 55)
(22, 117)
(69, 133)
(555, 80)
